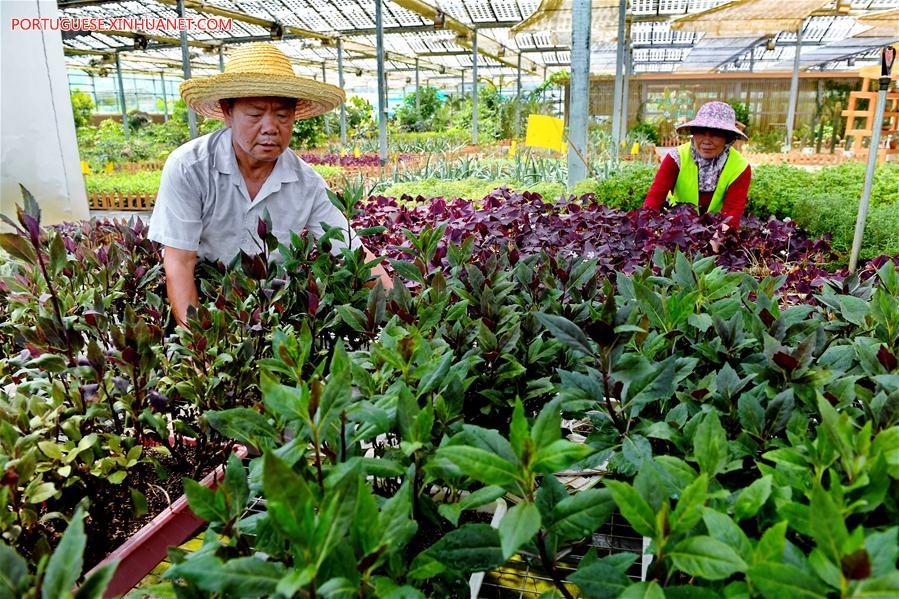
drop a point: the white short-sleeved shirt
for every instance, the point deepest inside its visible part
(203, 204)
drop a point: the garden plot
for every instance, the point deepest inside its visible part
(732, 400)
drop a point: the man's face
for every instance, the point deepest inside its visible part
(260, 127)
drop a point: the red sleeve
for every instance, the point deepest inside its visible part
(735, 197)
(662, 184)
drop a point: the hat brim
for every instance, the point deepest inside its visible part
(313, 97)
(710, 125)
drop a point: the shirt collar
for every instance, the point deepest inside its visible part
(226, 162)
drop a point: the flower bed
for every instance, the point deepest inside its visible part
(726, 416)
(364, 160)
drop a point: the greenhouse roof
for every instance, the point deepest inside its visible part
(665, 35)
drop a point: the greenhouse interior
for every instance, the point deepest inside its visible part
(531, 299)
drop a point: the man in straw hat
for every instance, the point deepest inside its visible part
(214, 189)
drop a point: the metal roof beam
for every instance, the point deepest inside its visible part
(326, 39)
(447, 53)
(750, 48)
(546, 49)
(492, 49)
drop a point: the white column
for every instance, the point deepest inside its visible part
(38, 147)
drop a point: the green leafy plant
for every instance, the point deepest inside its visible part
(82, 107)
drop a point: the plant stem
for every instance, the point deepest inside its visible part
(55, 300)
(606, 388)
(318, 463)
(550, 565)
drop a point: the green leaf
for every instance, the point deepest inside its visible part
(643, 590)
(566, 331)
(235, 486)
(57, 254)
(470, 548)
(884, 552)
(548, 424)
(770, 547)
(518, 526)
(776, 581)
(64, 566)
(751, 413)
(338, 390)
(633, 507)
(830, 538)
(40, 492)
(13, 572)
(338, 588)
(578, 516)
(853, 309)
(297, 578)
(602, 578)
(882, 587)
(204, 502)
(723, 528)
(250, 577)
(560, 454)
(18, 247)
(752, 498)
(710, 445)
(518, 430)
(481, 465)
(688, 511)
(289, 403)
(407, 270)
(396, 518)
(354, 317)
(50, 449)
(289, 500)
(706, 557)
(243, 425)
(95, 585)
(483, 496)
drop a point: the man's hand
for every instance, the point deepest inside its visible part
(378, 271)
(179, 281)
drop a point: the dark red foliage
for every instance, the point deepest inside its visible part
(335, 159)
(620, 241)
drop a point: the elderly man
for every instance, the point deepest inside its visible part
(215, 188)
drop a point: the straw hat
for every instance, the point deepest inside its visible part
(257, 70)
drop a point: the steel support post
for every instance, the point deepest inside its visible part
(185, 66)
(340, 83)
(869, 173)
(580, 91)
(326, 115)
(118, 71)
(165, 97)
(625, 88)
(382, 91)
(619, 77)
(417, 85)
(221, 60)
(518, 97)
(794, 92)
(474, 87)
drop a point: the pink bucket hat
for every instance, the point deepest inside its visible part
(715, 115)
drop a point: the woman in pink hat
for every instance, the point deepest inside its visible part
(706, 171)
